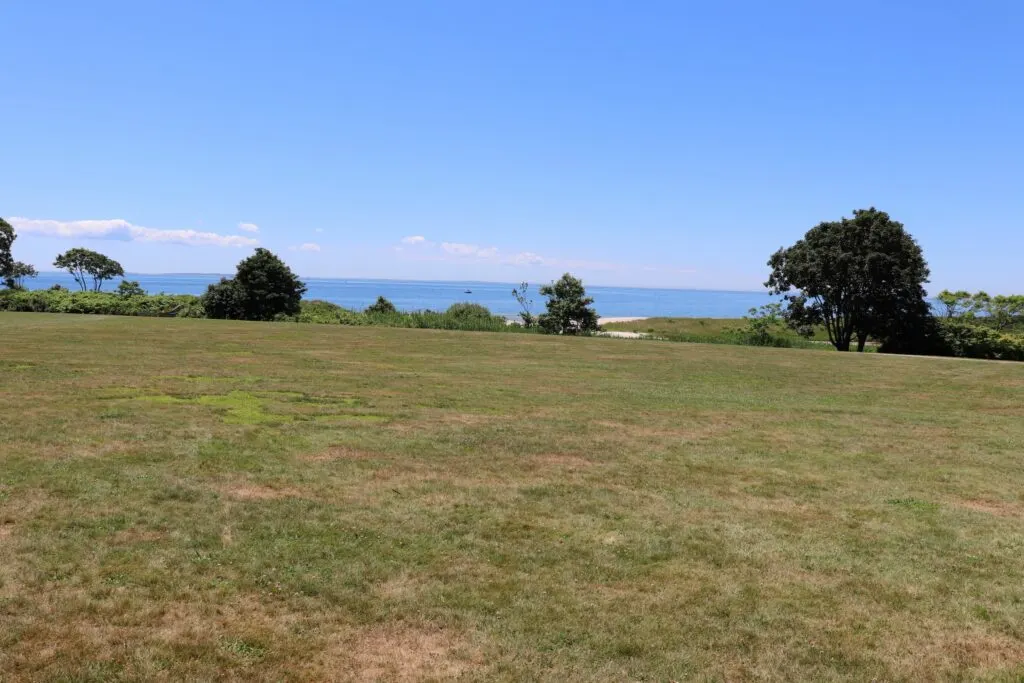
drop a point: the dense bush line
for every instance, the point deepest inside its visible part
(966, 340)
(462, 316)
(102, 303)
(457, 317)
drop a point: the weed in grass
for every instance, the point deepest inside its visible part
(914, 504)
(244, 648)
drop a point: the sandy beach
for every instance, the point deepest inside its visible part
(619, 319)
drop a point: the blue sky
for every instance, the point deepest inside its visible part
(634, 143)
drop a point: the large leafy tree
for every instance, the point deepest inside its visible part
(85, 265)
(860, 277)
(568, 307)
(7, 237)
(263, 288)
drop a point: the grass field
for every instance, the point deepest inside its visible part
(200, 500)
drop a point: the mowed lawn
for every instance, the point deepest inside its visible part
(207, 500)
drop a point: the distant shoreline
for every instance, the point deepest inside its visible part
(612, 303)
(372, 280)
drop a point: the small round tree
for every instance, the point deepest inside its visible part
(263, 288)
(568, 305)
(381, 306)
(467, 311)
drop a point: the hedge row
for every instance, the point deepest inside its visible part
(468, 316)
(464, 316)
(101, 303)
(965, 340)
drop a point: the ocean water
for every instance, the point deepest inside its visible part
(408, 295)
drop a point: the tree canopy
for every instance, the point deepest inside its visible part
(263, 288)
(85, 264)
(15, 278)
(7, 237)
(859, 277)
(1002, 312)
(568, 307)
(955, 304)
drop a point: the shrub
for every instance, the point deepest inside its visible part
(381, 306)
(468, 310)
(765, 327)
(326, 313)
(522, 297)
(130, 288)
(965, 340)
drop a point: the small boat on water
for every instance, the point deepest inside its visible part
(468, 291)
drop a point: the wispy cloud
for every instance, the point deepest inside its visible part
(248, 227)
(462, 251)
(318, 230)
(306, 246)
(420, 248)
(471, 250)
(528, 258)
(119, 229)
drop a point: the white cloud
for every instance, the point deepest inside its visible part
(528, 258)
(306, 246)
(461, 251)
(248, 227)
(119, 229)
(319, 230)
(472, 250)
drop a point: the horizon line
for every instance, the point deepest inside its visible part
(481, 282)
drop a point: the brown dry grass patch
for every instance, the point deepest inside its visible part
(78, 626)
(695, 431)
(434, 419)
(397, 652)
(943, 649)
(253, 491)
(87, 450)
(566, 461)
(998, 508)
(341, 453)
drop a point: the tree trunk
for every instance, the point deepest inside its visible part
(862, 340)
